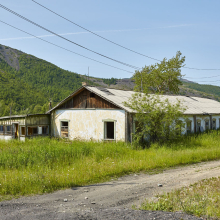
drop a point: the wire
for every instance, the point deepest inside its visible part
(20, 16)
(201, 77)
(65, 48)
(110, 40)
(210, 81)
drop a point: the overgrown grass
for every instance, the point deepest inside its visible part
(44, 165)
(201, 199)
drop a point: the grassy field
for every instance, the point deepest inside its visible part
(44, 165)
(201, 199)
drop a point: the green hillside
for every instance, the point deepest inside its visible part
(27, 83)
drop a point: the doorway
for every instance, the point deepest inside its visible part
(15, 130)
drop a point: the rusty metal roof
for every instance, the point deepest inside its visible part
(193, 105)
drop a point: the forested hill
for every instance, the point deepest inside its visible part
(27, 82)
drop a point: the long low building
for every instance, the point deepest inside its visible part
(95, 113)
(24, 126)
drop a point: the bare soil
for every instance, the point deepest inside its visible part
(110, 200)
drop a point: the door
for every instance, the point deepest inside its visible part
(15, 130)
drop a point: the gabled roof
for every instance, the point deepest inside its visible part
(193, 105)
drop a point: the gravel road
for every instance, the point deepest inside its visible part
(109, 200)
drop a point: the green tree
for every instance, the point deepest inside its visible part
(157, 119)
(161, 77)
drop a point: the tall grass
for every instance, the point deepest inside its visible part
(43, 165)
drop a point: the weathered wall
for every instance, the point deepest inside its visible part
(86, 99)
(88, 124)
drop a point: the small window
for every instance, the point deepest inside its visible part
(23, 131)
(188, 127)
(45, 130)
(1, 129)
(92, 95)
(109, 130)
(64, 129)
(8, 130)
(32, 131)
(198, 126)
(214, 123)
(206, 124)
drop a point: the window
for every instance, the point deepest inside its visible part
(1, 129)
(214, 123)
(64, 129)
(92, 95)
(45, 130)
(109, 130)
(189, 127)
(198, 126)
(8, 130)
(206, 124)
(23, 131)
(32, 131)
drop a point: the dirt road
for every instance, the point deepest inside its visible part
(109, 200)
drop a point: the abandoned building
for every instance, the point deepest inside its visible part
(24, 126)
(95, 113)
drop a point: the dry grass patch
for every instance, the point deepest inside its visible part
(201, 199)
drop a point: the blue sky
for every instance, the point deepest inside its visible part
(155, 28)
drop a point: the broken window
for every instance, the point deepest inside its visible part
(198, 126)
(32, 131)
(92, 95)
(64, 129)
(45, 130)
(8, 130)
(1, 129)
(213, 123)
(109, 127)
(206, 124)
(23, 131)
(188, 127)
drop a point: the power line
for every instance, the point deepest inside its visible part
(26, 19)
(112, 41)
(65, 48)
(201, 77)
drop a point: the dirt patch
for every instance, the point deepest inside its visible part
(110, 200)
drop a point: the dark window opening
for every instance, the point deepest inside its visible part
(189, 127)
(1, 129)
(207, 125)
(44, 129)
(109, 130)
(92, 95)
(32, 131)
(64, 129)
(214, 124)
(23, 131)
(8, 129)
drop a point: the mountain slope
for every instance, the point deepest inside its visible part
(27, 82)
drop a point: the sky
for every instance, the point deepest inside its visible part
(156, 28)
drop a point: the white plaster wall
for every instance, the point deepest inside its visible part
(87, 124)
(22, 138)
(2, 137)
(8, 137)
